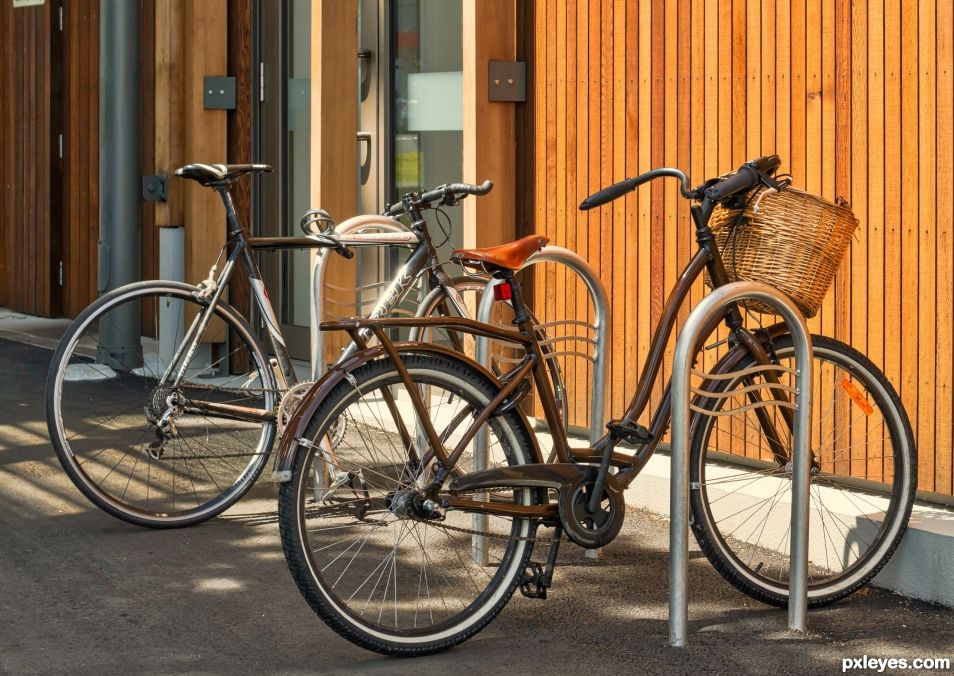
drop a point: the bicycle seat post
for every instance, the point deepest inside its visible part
(235, 226)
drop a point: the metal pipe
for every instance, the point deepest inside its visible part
(602, 327)
(171, 315)
(319, 269)
(601, 335)
(119, 178)
(711, 306)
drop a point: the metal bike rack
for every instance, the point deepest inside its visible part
(686, 347)
(387, 232)
(351, 227)
(601, 330)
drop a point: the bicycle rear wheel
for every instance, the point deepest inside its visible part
(373, 564)
(106, 401)
(862, 490)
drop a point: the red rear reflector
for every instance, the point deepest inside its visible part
(503, 291)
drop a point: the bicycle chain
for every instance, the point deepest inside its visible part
(494, 536)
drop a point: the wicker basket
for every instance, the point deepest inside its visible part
(794, 242)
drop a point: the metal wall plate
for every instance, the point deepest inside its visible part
(507, 81)
(218, 92)
(154, 188)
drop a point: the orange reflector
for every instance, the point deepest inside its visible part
(857, 396)
(503, 291)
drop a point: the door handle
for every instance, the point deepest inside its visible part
(364, 74)
(364, 168)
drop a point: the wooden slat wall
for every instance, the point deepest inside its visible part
(49, 206)
(62, 221)
(855, 97)
(25, 158)
(78, 213)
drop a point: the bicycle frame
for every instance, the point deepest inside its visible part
(423, 257)
(707, 257)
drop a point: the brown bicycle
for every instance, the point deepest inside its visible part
(410, 534)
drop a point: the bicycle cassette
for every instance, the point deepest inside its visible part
(591, 529)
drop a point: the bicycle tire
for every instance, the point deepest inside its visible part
(305, 528)
(832, 575)
(214, 467)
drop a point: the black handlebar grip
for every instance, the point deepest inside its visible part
(444, 192)
(743, 179)
(449, 193)
(746, 178)
(608, 194)
(470, 188)
(767, 165)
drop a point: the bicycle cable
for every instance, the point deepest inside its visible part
(446, 230)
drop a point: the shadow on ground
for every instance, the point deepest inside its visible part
(85, 593)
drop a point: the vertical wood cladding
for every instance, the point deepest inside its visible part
(857, 100)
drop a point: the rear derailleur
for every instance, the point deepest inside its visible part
(165, 407)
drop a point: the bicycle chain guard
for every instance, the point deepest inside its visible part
(591, 529)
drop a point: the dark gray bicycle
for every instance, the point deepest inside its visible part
(162, 402)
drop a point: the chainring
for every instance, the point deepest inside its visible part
(591, 529)
(290, 402)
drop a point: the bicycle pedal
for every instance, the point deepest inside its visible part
(628, 431)
(532, 584)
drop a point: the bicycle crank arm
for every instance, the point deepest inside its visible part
(230, 411)
(588, 525)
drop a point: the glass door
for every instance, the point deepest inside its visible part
(409, 113)
(282, 124)
(427, 103)
(374, 117)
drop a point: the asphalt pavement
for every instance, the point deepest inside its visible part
(83, 593)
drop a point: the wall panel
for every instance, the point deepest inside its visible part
(856, 98)
(25, 158)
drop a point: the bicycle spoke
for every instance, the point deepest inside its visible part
(110, 420)
(406, 572)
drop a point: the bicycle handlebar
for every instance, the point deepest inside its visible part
(743, 180)
(448, 194)
(619, 189)
(746, 178)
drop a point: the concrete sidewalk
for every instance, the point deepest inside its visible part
(84, 593)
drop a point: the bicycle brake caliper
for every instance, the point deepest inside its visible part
(207, 286)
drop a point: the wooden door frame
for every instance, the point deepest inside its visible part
(489, 33)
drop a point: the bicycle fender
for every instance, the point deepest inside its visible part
(289, 445)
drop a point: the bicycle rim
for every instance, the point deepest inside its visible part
(861, 491)
(104, 404)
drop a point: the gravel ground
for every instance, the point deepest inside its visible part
(84, 593)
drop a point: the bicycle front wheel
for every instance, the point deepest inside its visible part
(142, 440)
(862, 484)
(377, 567)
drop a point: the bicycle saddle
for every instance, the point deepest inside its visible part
(507, 256)
(211, 175)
